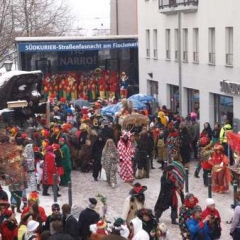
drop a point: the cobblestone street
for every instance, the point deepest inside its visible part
(83, 187)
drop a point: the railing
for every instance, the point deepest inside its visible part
(195, 57)
(168, 54)
(229, 59)
(185, 56)
(176, 55)
(211, 58)
(155, 53)
(176, 3)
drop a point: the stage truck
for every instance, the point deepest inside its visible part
(82, 67)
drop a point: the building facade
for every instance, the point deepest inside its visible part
(123, 17)
(207, 70)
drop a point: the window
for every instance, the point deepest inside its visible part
(229, 46)
(195, 45)
(155, 45)
(176, 44)
(147, 43)
(168, 44)
(185, 45)
(211, 46)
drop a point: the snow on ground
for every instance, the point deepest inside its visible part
(83, 187)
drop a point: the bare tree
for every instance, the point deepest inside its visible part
(31, 18)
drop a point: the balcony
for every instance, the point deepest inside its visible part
(169, 7)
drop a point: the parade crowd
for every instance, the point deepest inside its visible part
(81, 138)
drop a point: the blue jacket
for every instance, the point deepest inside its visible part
(199, 230)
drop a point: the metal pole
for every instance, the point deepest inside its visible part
(70, 193)
(186, 182)
(180, 61)
(234, 192)
(209, 185)
(55, 190)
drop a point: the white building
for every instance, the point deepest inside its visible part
(210, 55)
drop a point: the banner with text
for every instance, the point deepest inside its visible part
(76, 45)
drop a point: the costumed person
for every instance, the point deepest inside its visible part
(235, 223)
(99, 230)
(142, 155)
(136, 230)
(199, 229)
(49, 169)
(224, 141)
(33, 198)
(58, 159)
(29, 166)
(23, 225)
(162, 232)
(56, 134)
(215, 220)
(135, 201)
(185, 212)
(110, 159)
(123, 85)
(163, 121)
(31, 234)
(97, 150)
(39, 159)
(172, 142)
(86, 218)
(70, 224)
(126, 153)
(221, 176)
(149, 222)
(9, 226)
(161, 147)
(167, 196)
(16, 195)
(185, 145)
(66, 161)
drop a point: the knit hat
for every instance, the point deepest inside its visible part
(118, 222)
(209, 201)
(189, 195)
(197, 208)
(93, 201)
(55, 206)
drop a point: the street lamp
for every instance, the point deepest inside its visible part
(8, 65)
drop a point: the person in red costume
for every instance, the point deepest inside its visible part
(33, 198)
(221, 176)
(49, 168)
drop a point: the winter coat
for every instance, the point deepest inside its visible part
(87, 217)
(60, 236)
(139, 233)
(70, 226)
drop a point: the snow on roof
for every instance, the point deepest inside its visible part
(74, 38)
(6, 76)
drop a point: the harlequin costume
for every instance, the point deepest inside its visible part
(221, 176)
(126, 153)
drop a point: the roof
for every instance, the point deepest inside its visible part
(74, 38)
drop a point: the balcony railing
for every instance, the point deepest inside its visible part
(195, 57)
(168, 54)
(185, 56)
(172, 6)
(229, 59)
(211, 58)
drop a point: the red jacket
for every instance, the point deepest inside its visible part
(49, 168)
(211, 212)
(40, 209)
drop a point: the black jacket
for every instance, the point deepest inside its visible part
(70, 226)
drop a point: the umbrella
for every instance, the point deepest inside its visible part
(144, 98)
(81, 103)
(135, 118)
(110, 109)
(137, 105)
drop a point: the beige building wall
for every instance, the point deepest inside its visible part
(123, 17)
